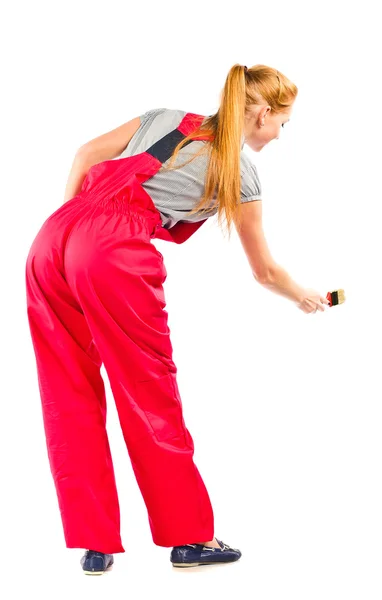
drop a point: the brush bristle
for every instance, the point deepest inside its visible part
(337, 297)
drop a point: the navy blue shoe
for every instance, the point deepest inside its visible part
(193, 555)
(96, 563)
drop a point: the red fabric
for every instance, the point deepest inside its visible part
(94, 290)
(179, 233)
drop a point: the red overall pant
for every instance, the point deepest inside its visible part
(94, 286)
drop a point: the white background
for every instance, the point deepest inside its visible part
(284, 407)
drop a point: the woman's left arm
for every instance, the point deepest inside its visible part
(104, 147)
(78, 172)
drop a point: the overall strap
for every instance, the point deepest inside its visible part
(163, 148)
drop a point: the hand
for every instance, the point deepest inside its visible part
(312, 301)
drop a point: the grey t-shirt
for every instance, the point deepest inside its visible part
(174, 193)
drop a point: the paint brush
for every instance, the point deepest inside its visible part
(336, 297)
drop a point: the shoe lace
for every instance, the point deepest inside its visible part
(225, 546)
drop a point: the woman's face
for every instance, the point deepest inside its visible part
(262, 126)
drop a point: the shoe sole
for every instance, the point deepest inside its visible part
(98, 572)
(200, 564)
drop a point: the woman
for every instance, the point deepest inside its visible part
(95, 296)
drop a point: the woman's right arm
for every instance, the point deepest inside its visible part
(264, 268)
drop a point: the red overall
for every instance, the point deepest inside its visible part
(94, 288)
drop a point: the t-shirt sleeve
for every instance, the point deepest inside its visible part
(150, 115)
(250, 182)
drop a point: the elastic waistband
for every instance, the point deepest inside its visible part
(143, 210)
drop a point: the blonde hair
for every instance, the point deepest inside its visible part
(243, 88)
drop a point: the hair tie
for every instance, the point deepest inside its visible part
(245, 68)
